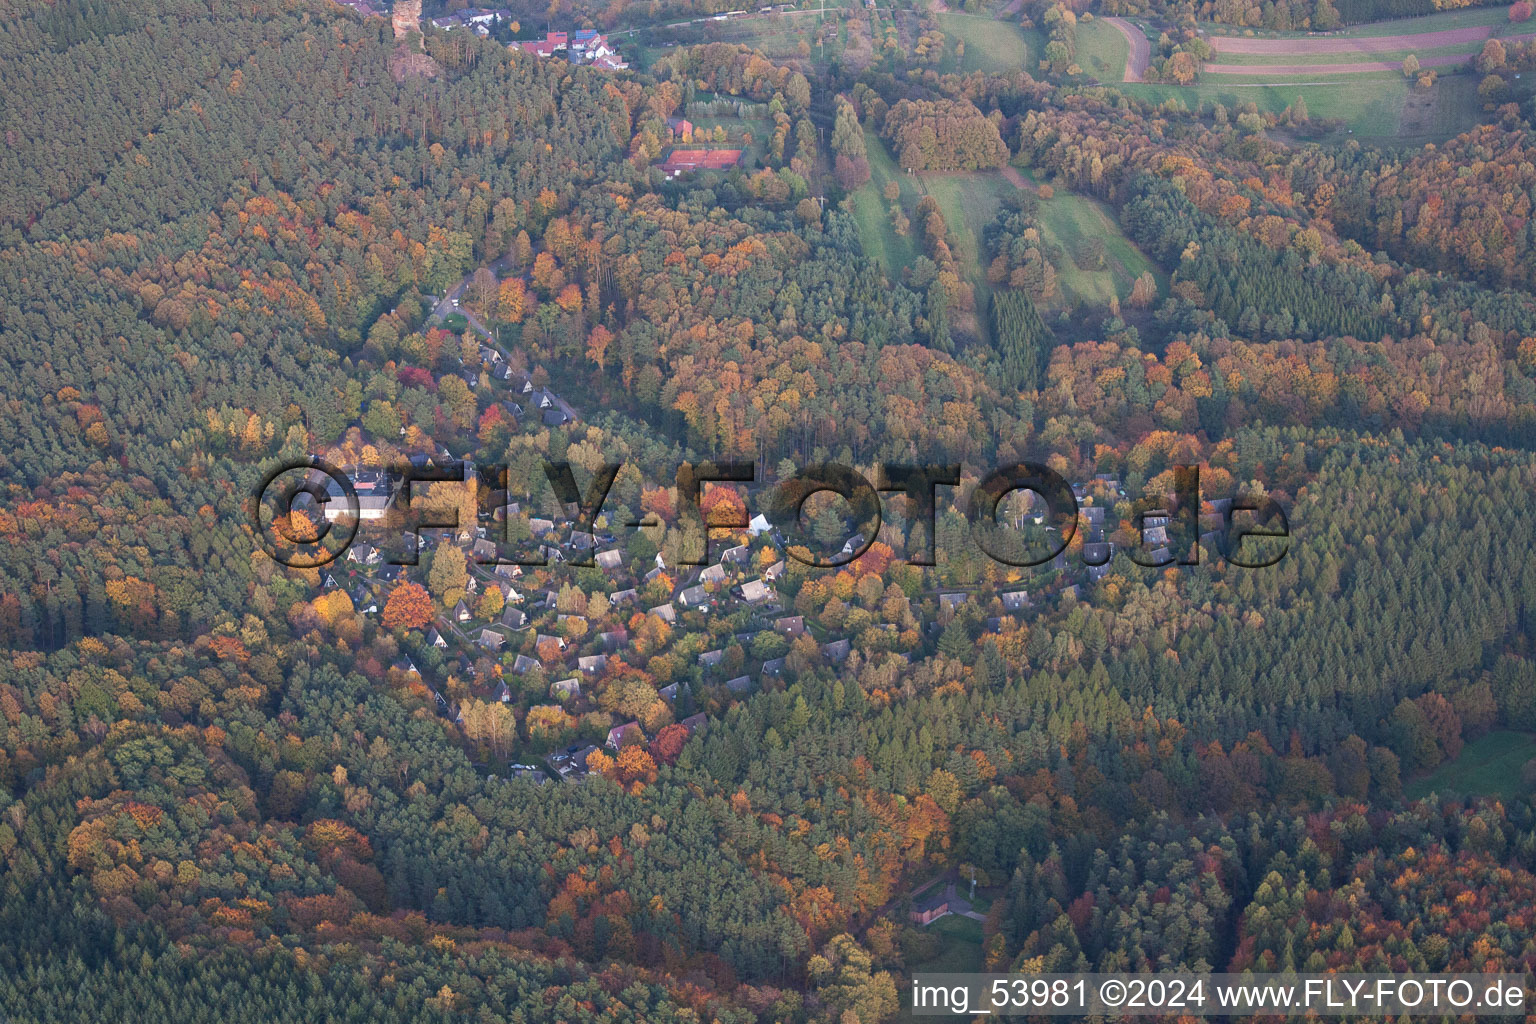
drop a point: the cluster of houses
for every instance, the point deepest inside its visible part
(476, 19)
(728, 585)
(366, 8)
(584, 46)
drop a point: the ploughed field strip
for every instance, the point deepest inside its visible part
(1397, 46)
(1351, 44)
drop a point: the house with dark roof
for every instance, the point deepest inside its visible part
(513, 618)
(693, 723)
(629, 596)
(773, 667)
(523, 664)
(837, 650)
(592, 664)
(694, 597)
(930, 905)
(710, 659)
(665, 612)
(1015, 600)
(490, 640)
(565, 689)
(740, 685)
(790, 625)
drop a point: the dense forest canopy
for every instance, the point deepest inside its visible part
(239, 233)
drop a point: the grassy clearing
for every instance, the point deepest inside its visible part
(872, 212)
(1489, 766)
(1065, 220)
(959, 946)
(991, 46)
(1102, 51)
(968, 203)
(1380, 107)
(960, 952)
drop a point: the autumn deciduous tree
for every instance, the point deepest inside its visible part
(635, 765)
(669, 743)
(448, 574)
(409, 607)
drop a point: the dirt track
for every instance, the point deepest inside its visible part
(1141, 50)
(1360, 44)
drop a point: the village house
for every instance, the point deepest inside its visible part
(694, 597)
(565, 689)
(740, 685)
(929, 906)
(1016, 600)
(790, 625)
(592, 664)
(709, 659)
(838, 650)
(713, 574)
(610, 560)
(754, 592)
(625, 735)
(665, 612)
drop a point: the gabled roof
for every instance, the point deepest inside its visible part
(837, 650)
(756, 591)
